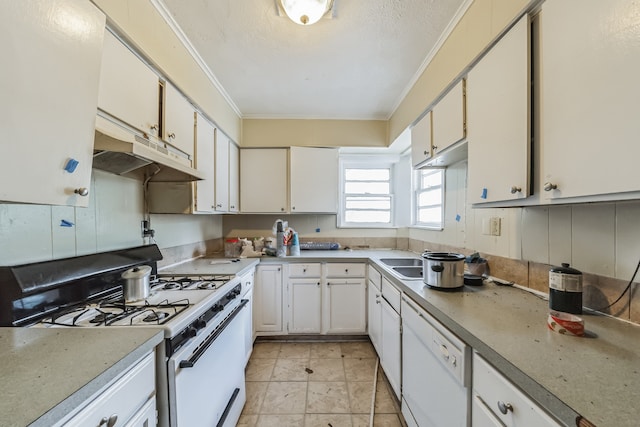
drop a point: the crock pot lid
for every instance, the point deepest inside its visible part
(137, 272)
(443, 256)
(565, 269)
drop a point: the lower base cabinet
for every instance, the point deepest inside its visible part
(345, 303)
(391, 342)
(267, 298)
(305, 306)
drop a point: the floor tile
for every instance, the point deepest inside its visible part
(384, 401)
(358, 349)
(295, 351)
(360, 369)
(296, 420)
(247, 421)
(290, 370)
(386, 420)
(360, 420)
(360, 396)
(285, 397)
(326, 370)
(255, 396)
(329, 397)
(266, 350)
(326, 350)
(259, 369)
(324, 420)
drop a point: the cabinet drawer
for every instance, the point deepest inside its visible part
(305, 270)
(374, 276)
(497, 393)
(391, 294)
(345, 270)
(123, 398)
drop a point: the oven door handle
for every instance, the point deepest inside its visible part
(203, 348)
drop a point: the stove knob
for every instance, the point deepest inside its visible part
(218, 308)
(199, 324)
(190, 332)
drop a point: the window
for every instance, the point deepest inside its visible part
(429, 198)
(366, 194)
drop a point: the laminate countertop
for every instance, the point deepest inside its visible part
(49, 372)
(596, 376)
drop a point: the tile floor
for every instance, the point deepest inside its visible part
(316, 384)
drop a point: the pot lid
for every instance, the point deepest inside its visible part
(443, 256)
(137, 272)
(565, 269)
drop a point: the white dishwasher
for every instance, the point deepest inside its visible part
(435, 372)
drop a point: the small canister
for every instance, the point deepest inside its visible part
(565, 289)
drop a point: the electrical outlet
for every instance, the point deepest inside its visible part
(495, 225)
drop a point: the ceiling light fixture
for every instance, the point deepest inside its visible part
(306, 12)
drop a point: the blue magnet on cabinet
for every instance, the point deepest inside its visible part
(318, 230)
(458, 217)
(71, 165)
(484, 193)
(65, 223)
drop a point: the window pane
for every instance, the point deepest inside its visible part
(368, 203)
(368, 216)
(430, 215)
(366, 188)
(431, 178)
(432, 197)
(367, 174)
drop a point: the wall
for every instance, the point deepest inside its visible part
(31, 233)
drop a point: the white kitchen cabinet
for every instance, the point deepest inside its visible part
(314, 180)
(222, 172)
(178, 120)
(128, 401)
(263, 180)
(247, 280)
(421, 149)
(498, 117)
(267, 298)
(129, 89)
(49, 91)
(345, 298)
(496, 398)
(448, 122)
(589, 67)
(374, 308)
(305, 306)
(390, 336)
(234, 177)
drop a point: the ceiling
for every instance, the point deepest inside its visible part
(357, 63)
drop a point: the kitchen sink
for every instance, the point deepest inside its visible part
(408, 273)
(402, 262)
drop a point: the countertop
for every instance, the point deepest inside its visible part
(597, 376)
(48, 372)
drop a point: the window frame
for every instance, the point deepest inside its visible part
(365, 162)
(418, 190)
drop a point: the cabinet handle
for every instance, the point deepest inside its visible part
(304, 270)
(318, 283)
(82, 191)
(504, 407)
(171, 135)
(346, 270)
(232, 207)
(282, 209)
(113, 419)
(293, 208)
(155, 127)
(219, 205)
(425, 152)
(377, 301)
(328, 283)
(548, 186)
(444, 351)
(435, 147)
(515, 189)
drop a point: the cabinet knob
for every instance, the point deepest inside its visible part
(171, 135)
(515, 189)
(425, 152)
(548, 186)
(282, 209)
(232, 207)
(82, 191)
(293, 208)
(113, 419)
(346, 270)
(219, 205)
(504, 407)
(318, 283)
(377, 301)
(435, 147)
(155, 127)
(304, 270)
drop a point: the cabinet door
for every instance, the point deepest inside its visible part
(263, 180)
(204, 162)
(146, 416)
(304, 306)
(178, 121)
(481, 416)
(498, 106)
(345, 306)
(222, 172)
(267, 302)
(374, 316)
(234, 177)
(590, 63)
(421, 141)
(129, 89)
(449, 119)
(314, 180)
(49, 92)
(390, 359)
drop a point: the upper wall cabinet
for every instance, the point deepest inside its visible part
(421, 150)
(498, 132)
(449, 124)
(263, 180)
(314, 180)
(129, 89)
(590, 63)
(51, 53)
(234, 177)
(178, 121)
(222, 172)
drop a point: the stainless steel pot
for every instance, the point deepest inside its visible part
(136, 283)
(443, 269)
